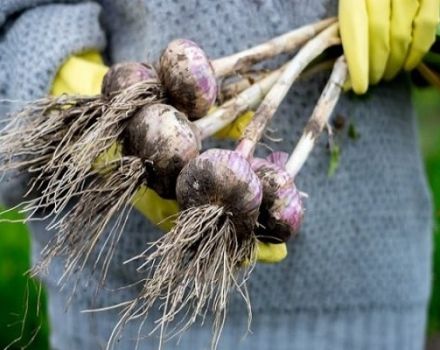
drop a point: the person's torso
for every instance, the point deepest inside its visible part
(365, 238)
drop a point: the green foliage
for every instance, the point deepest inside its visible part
(353, 132)
(427, 103)
(340, 132)
(335, 159)
(433, 169)
(19, 295)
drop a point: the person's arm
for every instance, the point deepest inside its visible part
(36, 38)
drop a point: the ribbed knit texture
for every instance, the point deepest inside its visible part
(358, 275)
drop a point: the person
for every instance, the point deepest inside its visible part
(358, 274)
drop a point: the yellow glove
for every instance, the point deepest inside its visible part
(382, 37)
(235, 129)
(83, 74)
(80, 74)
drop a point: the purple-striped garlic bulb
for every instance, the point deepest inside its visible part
(225, 179)
(281, 211)
(211, 242)
(188, 78)
(122, 75)
(165, 140)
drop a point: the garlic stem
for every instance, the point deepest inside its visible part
(247, 96)
(320, 117)
(284, 43)
(232, 89)
(275, 96)
(226, 113)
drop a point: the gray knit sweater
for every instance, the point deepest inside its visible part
(358, 275)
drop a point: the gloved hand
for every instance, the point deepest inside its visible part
(83, 74)
(80, 74)
(382, 37)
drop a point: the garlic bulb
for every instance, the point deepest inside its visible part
(226, 179)
(122, 75)
(165, 140)
(188, 78)
(281, 211)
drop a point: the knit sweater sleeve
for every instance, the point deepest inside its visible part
(35, 39)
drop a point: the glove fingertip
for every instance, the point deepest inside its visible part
(411, 62)
(375, 79)
(360, 86)
(270, 253)
(390, 74)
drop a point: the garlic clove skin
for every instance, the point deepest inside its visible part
(188, 77)
(278, 158)
(281, 211)
(122, 75)
(165, 140)
(226, 179)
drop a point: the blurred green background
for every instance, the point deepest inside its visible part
(20, 296)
